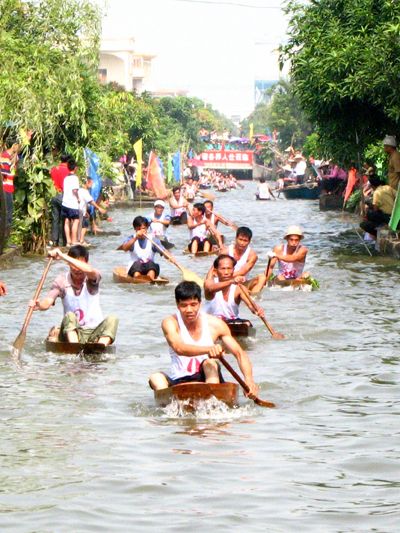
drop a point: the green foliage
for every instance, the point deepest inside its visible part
(344, 58)
(312, 146)
(354, 201)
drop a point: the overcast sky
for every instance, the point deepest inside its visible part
(215, 49)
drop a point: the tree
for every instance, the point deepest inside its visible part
(282, 113)
(344, 65)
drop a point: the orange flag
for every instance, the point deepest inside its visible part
(155, 177)
(351, 181)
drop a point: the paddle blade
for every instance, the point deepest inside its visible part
(18, 344)
(264, 403)
(207, 195)
(188, 275)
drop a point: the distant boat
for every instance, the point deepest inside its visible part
(302, 192)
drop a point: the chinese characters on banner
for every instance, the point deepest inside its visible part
(231, 156)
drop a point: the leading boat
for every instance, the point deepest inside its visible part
(194, 392)
(53, 344)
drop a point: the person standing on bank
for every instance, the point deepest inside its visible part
(390, 147)
(70, 204)
(58, 175)
(79, 291)
(8, 168)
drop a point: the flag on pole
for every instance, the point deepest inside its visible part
(395, 218)
(251, 131)
(351, 181)
(138, 147)
(170, 169)
(155, 177)
(92, 170)
(176, 163)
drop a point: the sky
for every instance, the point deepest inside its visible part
(214, 49)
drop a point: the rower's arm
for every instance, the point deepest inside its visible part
(127, 245)
(173, 337)
(191, 223)
(298, 256)
(211, 287)
(83, 266)
(249, 264)
(226, 222)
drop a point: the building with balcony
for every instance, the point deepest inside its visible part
(121, 63)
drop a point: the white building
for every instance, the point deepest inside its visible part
(121, 63)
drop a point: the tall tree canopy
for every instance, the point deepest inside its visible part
(345, 65)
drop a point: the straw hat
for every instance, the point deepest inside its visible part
(390, 140)
(298, 157)
(294, 230)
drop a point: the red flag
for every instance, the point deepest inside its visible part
(155, 178)
(351, 181)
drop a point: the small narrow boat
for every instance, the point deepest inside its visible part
(106, 233)
(202, 253)
(310, 191)
(53, 344)
(120, 276)
(241, 328)
(195, 392)
(305, 284)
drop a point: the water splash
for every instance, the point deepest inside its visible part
(211, 409)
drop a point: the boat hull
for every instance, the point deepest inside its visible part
(301, 192)
(77, 347)
(120, 276)
(195, 392)
(291, 285)
(241, 328)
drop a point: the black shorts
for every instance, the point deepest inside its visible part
(144, 268)
(198, 376)
(67, 212)
(200, 243)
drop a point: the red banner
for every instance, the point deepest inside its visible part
(227, 156)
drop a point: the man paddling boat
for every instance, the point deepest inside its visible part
(141, 251)
(192, 336)
(215, 218)
(159, 224)
(79, 291)
(3, 289)
(199, 228)
(222, 294)
(242, 252)
(290, 257)
(178, 205)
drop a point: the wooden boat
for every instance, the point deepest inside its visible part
(196, 392)
(302, 192)
(241, 328)
(53, 344)
(291, 284)
(262, 199)
(106, 233)
(186, 251)
(120, 276)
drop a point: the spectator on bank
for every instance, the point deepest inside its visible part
(380, 208)
(70, 204)
(58, 174)
(333, 177)
(315, 165)
(389, 145)
(300, 168)
(8, 169)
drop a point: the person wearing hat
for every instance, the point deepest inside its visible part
(159, 222)
(291, 258)
(300, 168)
(389, 145)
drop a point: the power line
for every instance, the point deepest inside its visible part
(226, 3)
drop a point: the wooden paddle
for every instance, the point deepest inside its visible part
(206, 194)
(20, 340)
(251, 304)
(243, 384)
(188, 275)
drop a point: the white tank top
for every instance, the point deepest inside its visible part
(190, 191)
(156, 228)
(85, 306)
(290, 270)
(144, 255)
(218, 306)
(199, 231)
(177, 211)
(187, 366)
(242, 261)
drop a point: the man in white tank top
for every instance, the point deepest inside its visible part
(178, 205)
(199, 227)
(79, 291)
(290, 257)
(192, 336)
(221, 291)
(141, 251)
(242, 252)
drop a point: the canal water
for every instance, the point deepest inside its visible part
(83, 448)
